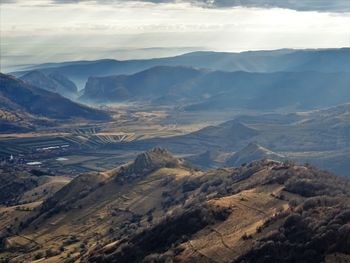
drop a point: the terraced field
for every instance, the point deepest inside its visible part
(31, 145)
(27, 145)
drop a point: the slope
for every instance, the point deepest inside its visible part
(157, 209)
(252, 152)
(54, 82)
(17, 96)
(157, 81)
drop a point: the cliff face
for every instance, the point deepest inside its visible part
(105, 89)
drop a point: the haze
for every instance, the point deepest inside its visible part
(51, 31)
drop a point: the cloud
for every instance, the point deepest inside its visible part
(8, 1)
(338, 6)
(304, 5)
(125, 29)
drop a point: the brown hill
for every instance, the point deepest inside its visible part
(19, 186)
(165, 211)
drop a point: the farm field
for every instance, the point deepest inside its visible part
(74, 148)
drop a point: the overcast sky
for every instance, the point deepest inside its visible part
(37, 31)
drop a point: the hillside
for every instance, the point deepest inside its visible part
(322, 60)
(22, 189)
(252, 152)
(206, 160)
(54, 82)
(158, 209)
(212, 90)
(27, 103)
(228, 135)
(22, 186)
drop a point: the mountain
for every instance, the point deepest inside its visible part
(28, 103)
(252, 152)
(54, 82)
(322, 60)
(156, 209)
(212, 90)
(67, 86)
(144, 164)
(301, 90)
(149, 84)
(271, 61)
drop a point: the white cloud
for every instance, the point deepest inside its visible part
(300, 5)
(39, 31)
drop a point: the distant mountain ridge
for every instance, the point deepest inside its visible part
(323, 60)
(207, 90)
(149, 84)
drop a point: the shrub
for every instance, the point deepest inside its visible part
(38, 255)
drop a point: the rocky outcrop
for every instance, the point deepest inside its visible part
(147, 162)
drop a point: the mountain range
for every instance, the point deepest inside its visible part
(213, 90)
(287, 60)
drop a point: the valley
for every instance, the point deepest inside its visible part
(76, 141)
(174, 131)
(177, 164)
(317, 137)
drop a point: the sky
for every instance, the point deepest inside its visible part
(39, 31)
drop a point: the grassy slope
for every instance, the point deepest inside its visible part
(215, 209)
